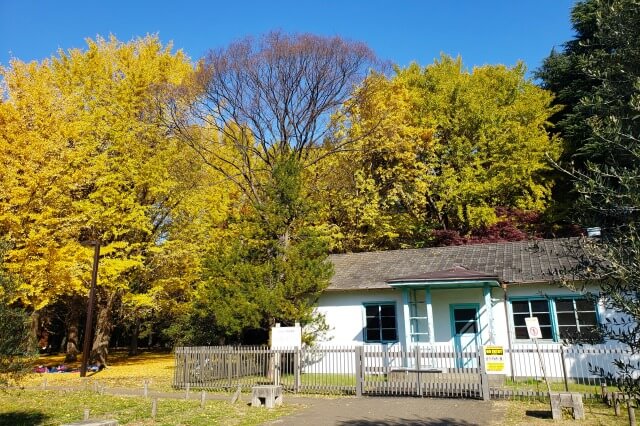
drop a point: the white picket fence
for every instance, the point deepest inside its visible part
(383, 370)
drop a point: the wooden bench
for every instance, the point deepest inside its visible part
(568, 400)
(266, 395)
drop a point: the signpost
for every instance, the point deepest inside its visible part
(533, 328)
(283, 338)
(286, 337)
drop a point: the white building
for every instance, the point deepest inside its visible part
(460, 296)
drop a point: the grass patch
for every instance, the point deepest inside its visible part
(540, 385)
(534, 413)
(55, 407)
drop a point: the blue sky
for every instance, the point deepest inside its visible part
(402, 31)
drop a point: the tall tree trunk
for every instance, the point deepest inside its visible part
(72, 322)
(35, 327)
(133, 343)
(103, 327)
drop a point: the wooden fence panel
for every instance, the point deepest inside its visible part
(428, 370)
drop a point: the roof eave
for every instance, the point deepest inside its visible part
(492, 281)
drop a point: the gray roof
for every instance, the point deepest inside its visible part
(512, 262)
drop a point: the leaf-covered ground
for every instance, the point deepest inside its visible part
(29, 406)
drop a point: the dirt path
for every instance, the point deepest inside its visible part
(378, 411)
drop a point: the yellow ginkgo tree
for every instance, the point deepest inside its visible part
(88, 159)
(439, 147)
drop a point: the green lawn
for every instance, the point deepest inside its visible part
(535, 413)
(31, 407)
(541, 386)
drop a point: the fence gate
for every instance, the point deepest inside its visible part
(422, 371)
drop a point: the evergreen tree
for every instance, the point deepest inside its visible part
(601, 66)
(274, 269)
(17, 345)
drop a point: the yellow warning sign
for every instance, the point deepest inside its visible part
(494, 359)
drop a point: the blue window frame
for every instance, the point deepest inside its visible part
(560, 317)
(538, 308)
(575, 316)
(380, 322)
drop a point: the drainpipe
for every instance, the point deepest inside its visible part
(506, 315)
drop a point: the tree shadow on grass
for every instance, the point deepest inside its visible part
(23, 418)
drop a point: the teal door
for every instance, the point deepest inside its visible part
(465, 328)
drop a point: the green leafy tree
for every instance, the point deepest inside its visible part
(603, 123)
(17, 343)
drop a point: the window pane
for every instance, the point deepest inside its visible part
(566, 319)
(546, 332)
(568, 332)
(373, 322)
(539, 306)
(372, 335)
(587, 318)
(543, 319)
(466, 327)
(464, 314)
(388, 322)
(564, 305)
(521, 333)
(372, 310)
(520, 306)
(518, 319)
(388, 310)
(585, 305)
(389, 334)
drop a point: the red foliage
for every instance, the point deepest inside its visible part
(514, 225)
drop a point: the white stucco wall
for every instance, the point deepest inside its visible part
(345, 314)
(344, 311)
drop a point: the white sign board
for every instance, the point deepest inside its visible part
(286, 337)
(533, 328)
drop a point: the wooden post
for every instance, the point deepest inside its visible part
(359, 358)
(418, 355)
(484, 377)
(276, 368)
(203, 397)
(186, 394)
(85, 414)
(44, 382)
(145, 384)
(229, 365)
(616, 403)
(154, 407)
(564, 369)
(544, 373)
(185, 369)
(296, 370)
(632, 414)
